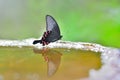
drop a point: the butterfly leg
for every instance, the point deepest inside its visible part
(43, 43)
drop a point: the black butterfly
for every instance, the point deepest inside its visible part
(52, 33)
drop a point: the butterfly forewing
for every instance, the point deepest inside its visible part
(54, 28)
(50, 23)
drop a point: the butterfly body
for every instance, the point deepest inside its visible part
(52, 33)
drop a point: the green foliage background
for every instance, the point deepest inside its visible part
(95, 21)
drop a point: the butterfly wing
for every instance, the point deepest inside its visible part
(52, 26)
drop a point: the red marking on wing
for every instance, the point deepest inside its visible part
(45, 35)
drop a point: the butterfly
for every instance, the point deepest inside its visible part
(52, 33)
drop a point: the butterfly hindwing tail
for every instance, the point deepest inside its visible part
(37, 41)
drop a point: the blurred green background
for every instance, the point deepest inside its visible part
(95, 21)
